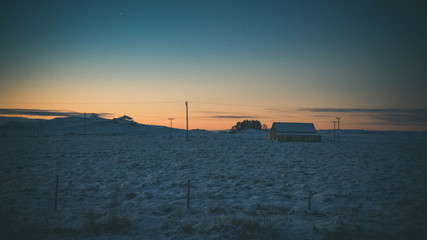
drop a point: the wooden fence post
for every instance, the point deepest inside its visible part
(188, 193)
(310, 194)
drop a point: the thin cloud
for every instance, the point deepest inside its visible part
(233, 116)
(211, 112)
(366, 110)
(279, 110)
(321, 116)
(400, 116)
(45, 113)
(223, 115)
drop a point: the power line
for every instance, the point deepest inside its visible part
(94, 103)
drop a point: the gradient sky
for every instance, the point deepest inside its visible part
(296, 61)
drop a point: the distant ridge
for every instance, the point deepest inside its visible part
(92, 125)
(5, 120)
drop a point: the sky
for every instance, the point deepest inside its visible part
(272, 61)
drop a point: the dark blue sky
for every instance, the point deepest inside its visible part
(364, 53)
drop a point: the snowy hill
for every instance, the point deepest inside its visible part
(5, 120)
(81, 126)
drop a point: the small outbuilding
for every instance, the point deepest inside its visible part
(293, 132)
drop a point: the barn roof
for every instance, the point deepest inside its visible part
(286, 127)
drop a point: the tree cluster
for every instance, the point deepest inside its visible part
(252, 124)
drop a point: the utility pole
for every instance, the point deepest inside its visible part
(39, 128)
(85, 124)
(334, 129)
(186, 107)
(170, 129)
(339, 130)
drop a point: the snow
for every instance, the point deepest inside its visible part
(130, 182)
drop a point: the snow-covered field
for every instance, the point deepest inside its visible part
(133, 185)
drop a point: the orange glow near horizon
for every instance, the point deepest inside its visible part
(213, 104)
(215, 117)
(154, 103)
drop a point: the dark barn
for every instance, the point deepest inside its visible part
(293, 132)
